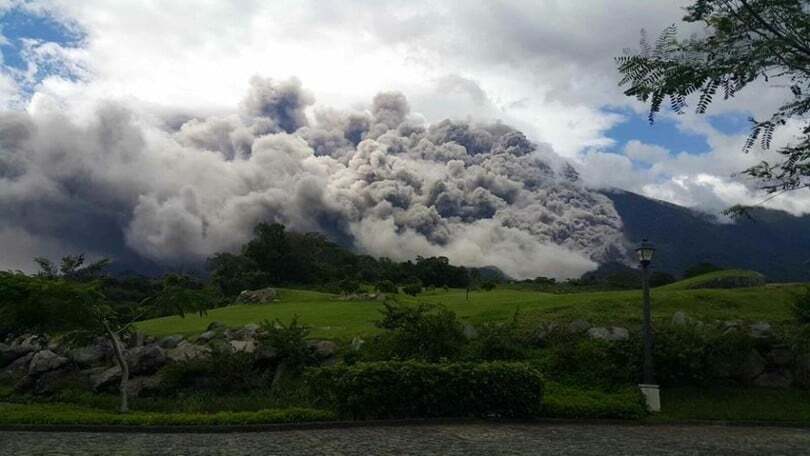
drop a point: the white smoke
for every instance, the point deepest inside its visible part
(380, 180)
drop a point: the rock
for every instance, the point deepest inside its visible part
(206, 336)
(18, 369)
(100, 379)
(578, 326)
(139, 385)
(680, 319)
(247, 346)
(774, 379)
(89, 356)
(802, 371)
(52, 381)
(186, 351)
(761, 330)
(170, 341)
(780, 356)
(221, 346)
(610, 334)
(751, 368)
(10, 353)
(325, 348)
(247, 332)
(216, 326)
(44, 361)
(470, 332)
(146, 359)
(262, 296)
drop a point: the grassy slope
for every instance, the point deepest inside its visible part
(695, 282)
(735, 404)
(334, 319)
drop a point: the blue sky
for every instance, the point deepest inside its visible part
(17, 24)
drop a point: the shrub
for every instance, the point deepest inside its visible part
(412, 289)
(221, 372)
(801, 307)
(581, 361)
(349, 286)
(488, 285)
(289, 342)
(566, 401)
(420, 332)
(386, 286)
(413, 389)
(498, 342)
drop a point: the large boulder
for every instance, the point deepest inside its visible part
(262, 296)
(11, 352)
(18, 369)
(761, 330)
(780, 356)
(101, 378)
(247, 346)
(146, 359)
(90, 355)
(751, 368)
(44, 361)
(609, 334)
(140, 385)
(324, 348)
(53, 381)
(578, 326)
(186, 351)
(170, 341)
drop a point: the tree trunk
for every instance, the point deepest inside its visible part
(123, 365)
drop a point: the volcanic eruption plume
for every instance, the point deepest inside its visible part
(127, 182)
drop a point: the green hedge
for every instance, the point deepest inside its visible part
(567, 401)
(412, 389)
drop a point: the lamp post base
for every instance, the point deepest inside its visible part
(652, 396)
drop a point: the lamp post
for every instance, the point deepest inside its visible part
(649, 388)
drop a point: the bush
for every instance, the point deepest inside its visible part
(413, 389)
(801, 307)
(488, 285)
(349, 286)
(419, 332)
(580, 361)
(566, 401)
(289, 342)
(386, 286)
(498, 342)
(412, 289)
(221, 372)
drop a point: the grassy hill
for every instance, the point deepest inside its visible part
(728, 278)
(332, 318)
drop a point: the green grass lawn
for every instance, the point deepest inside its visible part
(697, 281)
(332, 318)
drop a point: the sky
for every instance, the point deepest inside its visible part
(544, 67)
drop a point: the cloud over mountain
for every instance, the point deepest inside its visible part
(381, 179)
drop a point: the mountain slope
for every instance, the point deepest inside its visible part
(772, 242)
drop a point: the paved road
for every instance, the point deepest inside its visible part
(466, 440)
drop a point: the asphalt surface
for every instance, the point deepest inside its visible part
(457, 439)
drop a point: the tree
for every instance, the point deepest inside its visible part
(700, 269)
(181, 294)
(747, 40)
(43, 303)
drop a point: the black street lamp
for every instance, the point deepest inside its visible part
(649, 388)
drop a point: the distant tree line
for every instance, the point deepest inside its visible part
(278, 257)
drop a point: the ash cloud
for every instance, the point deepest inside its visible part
(380, 180)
